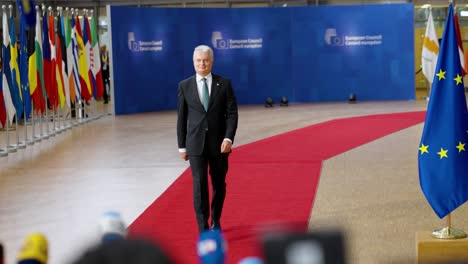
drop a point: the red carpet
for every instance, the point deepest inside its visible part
(270, 182)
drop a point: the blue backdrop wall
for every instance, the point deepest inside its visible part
(309, 54)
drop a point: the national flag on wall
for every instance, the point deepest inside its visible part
(15, 74)
(6, 70)
(443, 156)
(98, 82)
(460, 44)
(85, 82)
(36, 72)
(72, 55)
(430, 50)
(23, 66)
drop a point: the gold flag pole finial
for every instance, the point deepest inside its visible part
(449, 232)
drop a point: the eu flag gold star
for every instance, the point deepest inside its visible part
(458, 79)
(461, 147)
(423, 149)
(442, 153)
(441, 74)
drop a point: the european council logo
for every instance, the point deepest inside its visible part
(218, 41)
(332, 38)
(132, 44)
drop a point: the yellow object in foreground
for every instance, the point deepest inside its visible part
(34, 248)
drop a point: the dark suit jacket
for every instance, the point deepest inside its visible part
(193, 121)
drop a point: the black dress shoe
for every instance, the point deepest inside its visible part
(203, 228)
(216, 225)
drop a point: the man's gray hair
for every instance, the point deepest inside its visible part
(204, 48)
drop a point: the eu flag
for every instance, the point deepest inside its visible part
(442, 155)
(23, 66)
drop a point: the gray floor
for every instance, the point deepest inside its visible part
(62, 185)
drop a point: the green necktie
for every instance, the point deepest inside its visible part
(205, 95)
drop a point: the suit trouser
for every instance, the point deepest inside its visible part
(218, 167)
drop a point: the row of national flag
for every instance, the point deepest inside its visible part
(430, 50)
(55, 62)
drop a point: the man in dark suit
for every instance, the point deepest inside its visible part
(105, 73)
(206, 126)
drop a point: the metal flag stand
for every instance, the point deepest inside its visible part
(449, 232)
(12, 147)
(26, 139)
(9, 148)
(19, 144)
(45, 119)
(4, 151)
(35, 122)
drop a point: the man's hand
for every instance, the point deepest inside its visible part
(226, 146)
(184, 155)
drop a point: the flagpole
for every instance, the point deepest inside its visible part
(24, 90)
(67, 117)
(19, 144)
(33, 129)
(33, 122)
(448, 232)
(62, 111)
(44, 115)
(88, 114)
(428, 82)
(68, 124)
(54, 121)
(62, 120)
(11, 148)
(26, 140)
(7, 125)
(96, 110)
(4, 151)
(53, 131)
(58, 64)
(74, 122)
